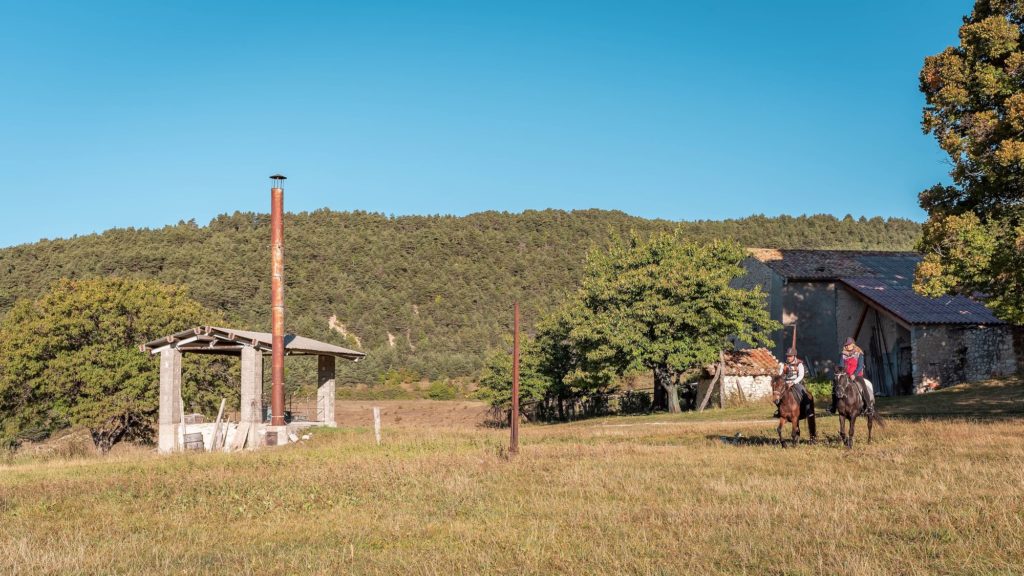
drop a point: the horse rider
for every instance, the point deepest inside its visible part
(852, 364)
(793, 371)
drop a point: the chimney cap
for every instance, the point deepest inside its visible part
(278, 177)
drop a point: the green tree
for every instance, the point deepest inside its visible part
(665, 304)
(71, 357)
(496, 378)
(974, 238)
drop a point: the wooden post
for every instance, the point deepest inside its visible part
(860, 321)
(325, 391)
(513, 447)
(170, 401)
(376, 424)
(718, 376)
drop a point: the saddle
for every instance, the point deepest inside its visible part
(803, 399)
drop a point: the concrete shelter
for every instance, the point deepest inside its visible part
(250, 347)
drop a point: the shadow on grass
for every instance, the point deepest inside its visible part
(768, 440)
(994, 400)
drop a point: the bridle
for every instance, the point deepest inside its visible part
(843, 382)
(780, 387)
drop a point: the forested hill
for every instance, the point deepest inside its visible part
(427, 293)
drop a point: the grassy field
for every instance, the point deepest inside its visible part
(628, 495)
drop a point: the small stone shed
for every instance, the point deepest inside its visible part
(747, 376)
(911, 343)
(250, 347)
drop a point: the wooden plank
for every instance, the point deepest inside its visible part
(243, 430)
(718, 375)
(214, 441)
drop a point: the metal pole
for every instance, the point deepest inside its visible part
(277, 302)
(514, 442)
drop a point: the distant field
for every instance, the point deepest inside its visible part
(630, 495)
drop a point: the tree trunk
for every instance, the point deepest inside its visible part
(669, 388)
(659, 400)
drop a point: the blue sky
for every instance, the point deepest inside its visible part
(117, 114)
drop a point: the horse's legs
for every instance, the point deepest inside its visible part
(779, 430)
(842, 428)
(871, 421)
(853, 422)
(796, 432)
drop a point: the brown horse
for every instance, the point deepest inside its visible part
(849, 404)
(790, 409)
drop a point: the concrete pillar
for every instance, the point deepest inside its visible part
(251, 406)
(325, 390)
(170, 402)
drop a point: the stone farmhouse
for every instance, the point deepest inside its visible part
(911, 343)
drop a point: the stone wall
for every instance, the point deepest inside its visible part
(948, 355)
(754, 388)
(811, 305)
(760, 275)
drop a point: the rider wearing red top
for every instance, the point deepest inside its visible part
(852, 363)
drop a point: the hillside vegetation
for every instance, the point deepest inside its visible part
(425, 294)
(662, 494)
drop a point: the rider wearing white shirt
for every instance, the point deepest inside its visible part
(793, 370)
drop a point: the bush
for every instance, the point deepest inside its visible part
(442, 390)
(376, 393)
(635, 402)
(820, 388)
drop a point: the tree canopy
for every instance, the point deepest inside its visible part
(665, 304)
(71, 357)
(425, 296)
(662, 304)
(974, 237)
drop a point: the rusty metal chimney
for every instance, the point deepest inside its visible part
(277, 300)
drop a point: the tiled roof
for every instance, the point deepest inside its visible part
(750, 362)
(896, 268)
(912, 308)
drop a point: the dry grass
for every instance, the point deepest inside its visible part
(648, 495)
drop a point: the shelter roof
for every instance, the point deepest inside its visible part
(896, 268)
(216, 340)
(749, 362)
(913, 308)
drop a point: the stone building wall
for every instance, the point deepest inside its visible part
(755, 388)
(948, 355)
(760, 275)
(812, 307)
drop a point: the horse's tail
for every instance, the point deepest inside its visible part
(811, 425)
(877, 419)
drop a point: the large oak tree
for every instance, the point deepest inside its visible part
(974, 238)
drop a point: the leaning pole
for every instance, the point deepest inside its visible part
(513, 446)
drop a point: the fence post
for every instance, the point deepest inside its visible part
(376, 424)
